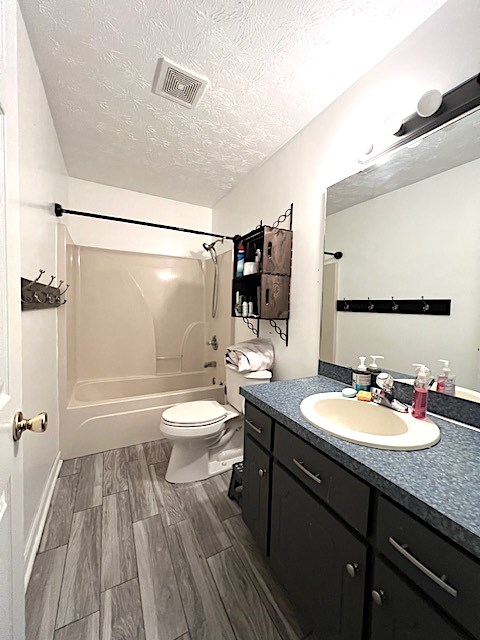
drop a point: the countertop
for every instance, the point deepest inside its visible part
(440, 485)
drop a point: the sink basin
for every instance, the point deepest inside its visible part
(368, 423)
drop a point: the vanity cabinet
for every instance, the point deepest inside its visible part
(317, 559)
(355, 565)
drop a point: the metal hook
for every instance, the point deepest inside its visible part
(346, 306)
(61, 293)
(394, 305)
(30, 284)
(45, 286)
(426, 306)
(371, 306)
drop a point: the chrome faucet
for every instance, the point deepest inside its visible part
(210, 363)
(385, 394)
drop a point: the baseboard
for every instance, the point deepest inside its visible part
(36, 530)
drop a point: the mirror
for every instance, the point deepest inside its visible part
(409, 227)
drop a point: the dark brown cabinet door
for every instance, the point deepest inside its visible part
(318, 560)
(256, 492)
(275, 292)
(400, 613)
(277, 251)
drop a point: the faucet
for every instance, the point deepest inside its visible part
(210, 363)
(385, 394)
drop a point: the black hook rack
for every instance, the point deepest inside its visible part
(422, 306)
(38, 295)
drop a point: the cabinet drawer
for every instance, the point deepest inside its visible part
(448, 575)
(344, 493)
(258, 425)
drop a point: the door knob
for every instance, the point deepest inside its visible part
(38, 424)
(378, 596)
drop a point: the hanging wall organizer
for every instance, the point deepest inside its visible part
(268, 288)
(422, 306)
(37, 295)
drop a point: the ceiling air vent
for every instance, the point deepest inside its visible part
(177, 84)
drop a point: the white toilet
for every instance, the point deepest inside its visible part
(205, 440)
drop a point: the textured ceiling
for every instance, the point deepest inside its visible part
(444, 149)
(272, 65)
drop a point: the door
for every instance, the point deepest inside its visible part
(328, 325)
(256, 492)
(400, 613)
(11, 499)
(318, 560)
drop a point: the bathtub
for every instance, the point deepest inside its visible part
(119, 412)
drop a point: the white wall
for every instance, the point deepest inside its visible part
(443, 52)
(99, 198)
(42, 181)
(421, 240)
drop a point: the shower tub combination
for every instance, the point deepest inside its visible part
(137, 334)
(107, 414)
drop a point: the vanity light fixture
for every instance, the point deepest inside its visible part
(434, 110)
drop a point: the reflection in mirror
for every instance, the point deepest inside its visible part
(409, 228)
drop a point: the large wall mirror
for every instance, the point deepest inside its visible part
(409, 227)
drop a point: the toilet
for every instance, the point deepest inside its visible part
(205, 438)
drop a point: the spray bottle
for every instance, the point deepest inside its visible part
(420, 392)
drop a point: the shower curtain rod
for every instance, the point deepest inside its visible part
(59, 211)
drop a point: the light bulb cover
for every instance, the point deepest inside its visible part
(429, 103)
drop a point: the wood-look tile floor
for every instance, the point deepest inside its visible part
(127, 556)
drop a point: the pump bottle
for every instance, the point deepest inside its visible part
(420, 392)
(446, 381)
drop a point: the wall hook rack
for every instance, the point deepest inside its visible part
(38, 295)
(431, 307)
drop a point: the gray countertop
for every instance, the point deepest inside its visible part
(440, 485)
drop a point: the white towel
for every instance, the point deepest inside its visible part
(251, 355)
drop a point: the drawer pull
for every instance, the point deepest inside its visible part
(313, 476)
(252, 426)
(441, 582)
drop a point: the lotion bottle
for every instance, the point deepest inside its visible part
(374, 369)
(420, 392)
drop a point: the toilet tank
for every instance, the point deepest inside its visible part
(235, 380)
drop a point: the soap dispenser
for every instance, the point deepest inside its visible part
(420, 392)
(374, 369)
(361, 378)
(446, 381)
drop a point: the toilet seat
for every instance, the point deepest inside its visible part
(202, 413)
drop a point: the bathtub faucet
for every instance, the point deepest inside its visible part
(210, 363)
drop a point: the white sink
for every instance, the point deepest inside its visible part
(460, 392)
(368, 423)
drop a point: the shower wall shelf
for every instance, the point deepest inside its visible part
(269, 288)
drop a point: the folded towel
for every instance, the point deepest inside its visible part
(251, 355)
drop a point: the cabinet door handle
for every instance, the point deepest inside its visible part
(352, 569)
(252, 426)
(313, 476)
(262, 472)
(440, 581)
